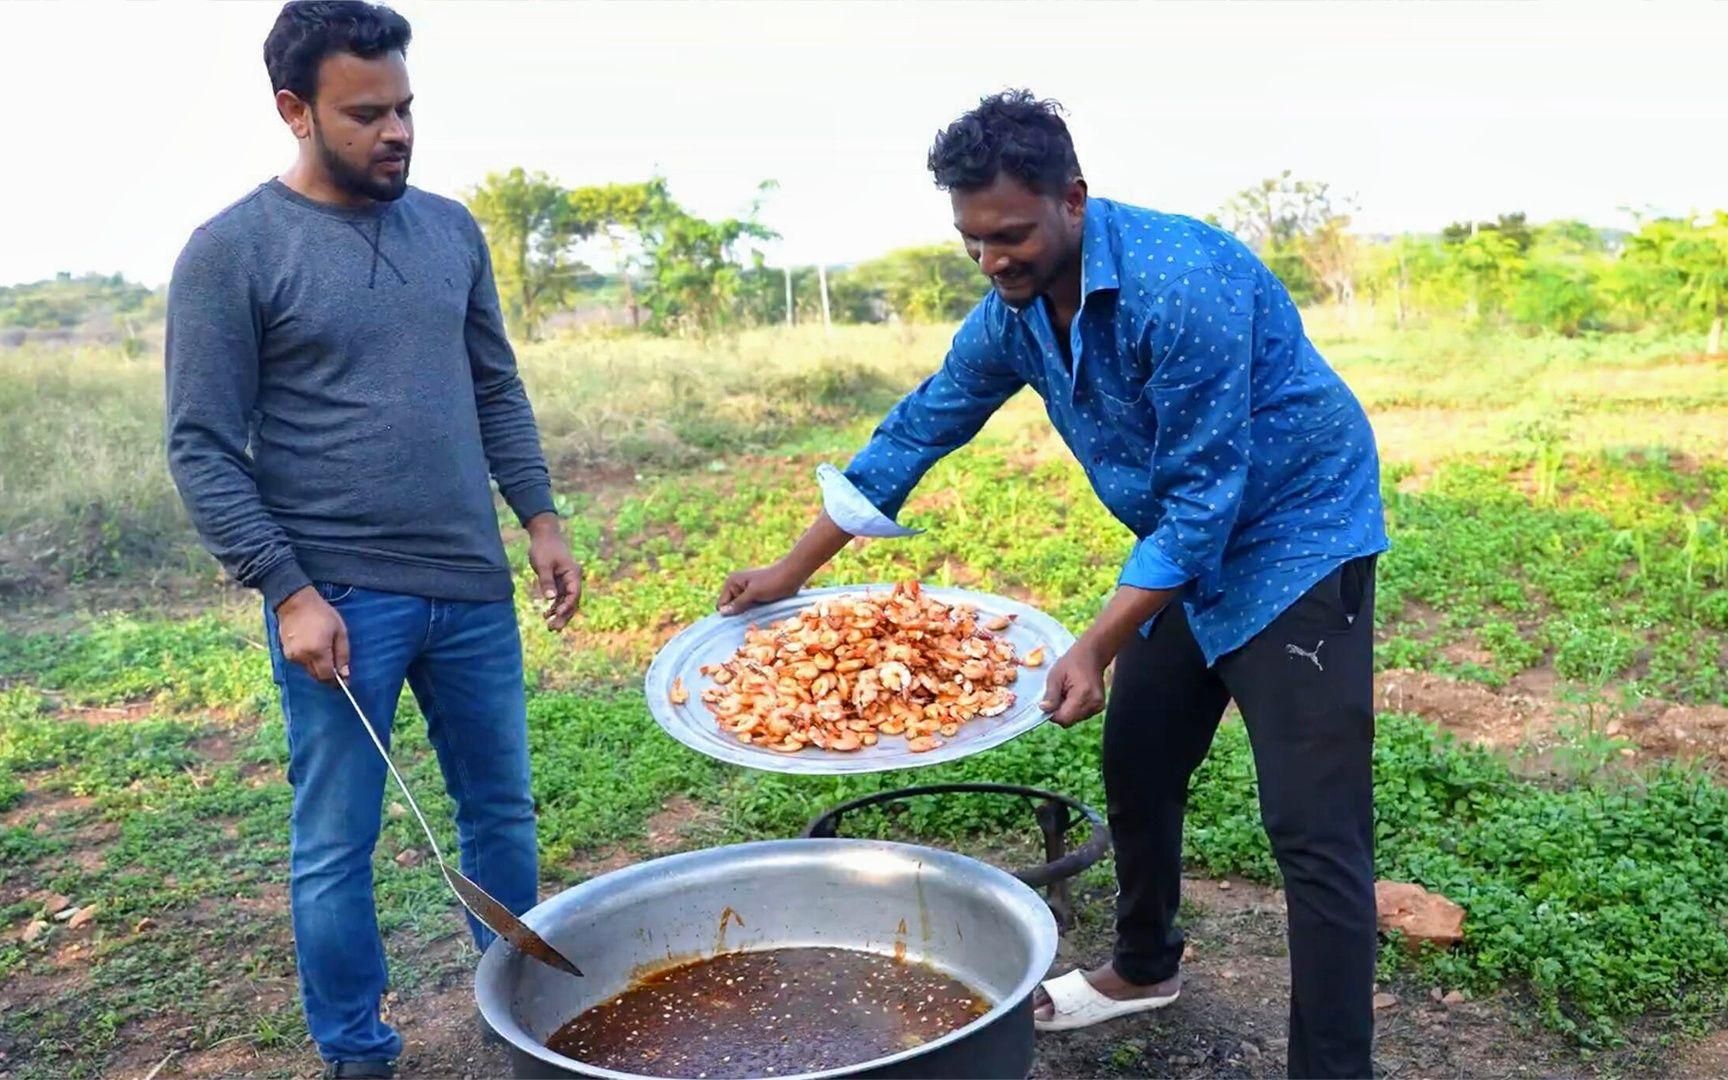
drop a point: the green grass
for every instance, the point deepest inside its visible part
(85, 495)
(1457, 368)
(1553, 504)
(1623, 576)
(189, 664)
(1606, 898)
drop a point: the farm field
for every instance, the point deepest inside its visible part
(1553, 638)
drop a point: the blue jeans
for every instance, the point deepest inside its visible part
(464, 664)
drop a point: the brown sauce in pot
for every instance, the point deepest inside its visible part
(771, 1013)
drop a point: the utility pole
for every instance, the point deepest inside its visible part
(787, 270)
(822, 277)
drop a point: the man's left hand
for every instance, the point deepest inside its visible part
(1075, 689)
(557, 575)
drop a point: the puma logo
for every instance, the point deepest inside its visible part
(1313, 655)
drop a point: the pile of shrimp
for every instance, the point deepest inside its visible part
(844, 672)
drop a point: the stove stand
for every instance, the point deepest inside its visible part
(1055, 813)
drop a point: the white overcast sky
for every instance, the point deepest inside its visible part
(129, 123)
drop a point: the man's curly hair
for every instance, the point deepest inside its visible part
(1011, 132)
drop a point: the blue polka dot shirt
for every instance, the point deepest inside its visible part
(1204, 418)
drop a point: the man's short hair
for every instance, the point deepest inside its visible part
(308, 31)
(1011, 132)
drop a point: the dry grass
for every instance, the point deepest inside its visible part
(85, 495)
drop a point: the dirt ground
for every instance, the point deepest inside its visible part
(1524, 718)
(1230, 1020)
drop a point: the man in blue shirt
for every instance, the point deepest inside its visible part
(1175, 366)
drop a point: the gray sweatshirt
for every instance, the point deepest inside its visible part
(340, 390)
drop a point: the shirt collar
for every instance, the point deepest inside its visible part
(1098, 270)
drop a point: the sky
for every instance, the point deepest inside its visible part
(129, 123)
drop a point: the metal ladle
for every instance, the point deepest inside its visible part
(495, 916)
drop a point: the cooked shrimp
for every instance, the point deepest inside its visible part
(842, 673)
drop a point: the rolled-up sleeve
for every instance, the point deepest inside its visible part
(1200, 342)
(942, 414)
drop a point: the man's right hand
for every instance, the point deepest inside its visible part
(313, 635)
(764, 585)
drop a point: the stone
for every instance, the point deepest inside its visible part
(1454, 997)
(1384, 1000)
(146, 923)
(54, 903)
(408, 857)
(1436, 994)
(1421, 916)
(1223, 886)
(35, 930)
(64, 914)
(86, 915)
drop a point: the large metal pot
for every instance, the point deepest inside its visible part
(967, 919)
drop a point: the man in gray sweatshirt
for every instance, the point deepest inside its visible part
(340, 396)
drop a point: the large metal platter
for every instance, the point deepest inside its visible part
(716, 638)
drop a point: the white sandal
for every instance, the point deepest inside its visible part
(1075, 1003)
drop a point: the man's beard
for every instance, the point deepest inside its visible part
(1041, 283)
(357, 181)
(1038, 285)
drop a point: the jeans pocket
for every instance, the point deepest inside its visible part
(333, 593)
(273, 646)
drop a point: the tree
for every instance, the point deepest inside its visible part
(1557, 296)
(1405, 271)
(531, 229)
(1486, 267)
(1681, 264)
(621, 213)
(1567, 239)
(932, 283)
(1562, 286)
(1703, 258)
(1328, 250)
(695, 275)
(1300, 230)
(1515, 227)
(1265, 216)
